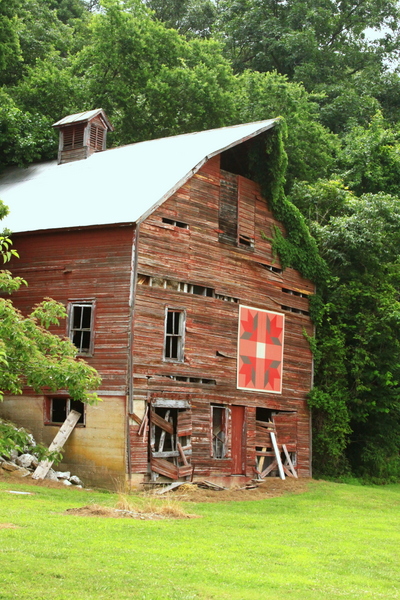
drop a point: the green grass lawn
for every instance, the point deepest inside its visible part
(335, 541)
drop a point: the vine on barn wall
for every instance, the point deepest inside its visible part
(298, 250)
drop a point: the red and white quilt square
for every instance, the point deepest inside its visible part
(260, 350)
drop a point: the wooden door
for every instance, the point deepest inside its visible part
(238, 447)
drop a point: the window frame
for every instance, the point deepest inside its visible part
(180, 335)
(225, 429)
(48, 410)
(72, 304)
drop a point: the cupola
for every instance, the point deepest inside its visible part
(82, 134)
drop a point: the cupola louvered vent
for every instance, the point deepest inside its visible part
(82, 134)
(73, 137)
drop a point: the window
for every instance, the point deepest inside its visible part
(81, 326)
(179, 224)
(174, 334)
(219, 420)
(58, 409)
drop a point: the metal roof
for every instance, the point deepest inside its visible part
(83, 116)
(121, 185)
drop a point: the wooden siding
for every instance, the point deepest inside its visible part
(201, 255)
(91, 264)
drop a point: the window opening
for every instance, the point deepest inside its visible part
(270, 268)
(295, 293)
(81, 326)
(170, 441)
(174, 332)
(219, 421)
(297, 311)
(183, 286)
(246, 241)
(179, 224)
(58, 409)
(187, 379)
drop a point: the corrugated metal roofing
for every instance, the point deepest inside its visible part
(78, 117)
(121, 185)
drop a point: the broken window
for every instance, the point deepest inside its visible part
(174, 334)
(80, 328)
(170, 439)
(219, 421)
(58, 409)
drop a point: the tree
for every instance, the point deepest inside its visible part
(369, 160)
(356, 398)
(308, 40)
(150, 80)
(30, 355)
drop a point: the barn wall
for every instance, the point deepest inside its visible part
(203, 255)
(89, 264)
(95, 452)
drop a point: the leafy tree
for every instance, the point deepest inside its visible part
(310, 41)
(357, 347)
(150, 80)
(30, 355)
(10, 52)
(189, 17)
(24, 136)
(310, 147)
(370, 157)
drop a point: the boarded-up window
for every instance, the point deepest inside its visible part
(228, 208)
(170, 439)
(246, 212)
(260, 350)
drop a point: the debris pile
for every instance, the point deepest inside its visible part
(21, 457)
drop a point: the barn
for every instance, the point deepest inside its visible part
(161, 250)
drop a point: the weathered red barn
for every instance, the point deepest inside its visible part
(161, 252)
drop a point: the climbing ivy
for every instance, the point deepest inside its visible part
(296, 249)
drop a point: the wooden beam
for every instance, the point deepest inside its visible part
(183, 457)
(162, 423)
(289, 461)
(270, 468)
(63, 434)
(277, 455)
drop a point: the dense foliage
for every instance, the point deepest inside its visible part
(166, 67)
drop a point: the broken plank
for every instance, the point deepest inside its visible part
(144, 421)
(172, 486)
(164, 467)
(277, 455)
(289, 461)
(63, 434)
(162, 423)
(181, 452)
(270, 468)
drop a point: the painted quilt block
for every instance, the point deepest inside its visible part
(260, 350)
